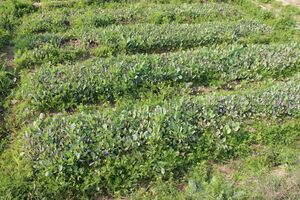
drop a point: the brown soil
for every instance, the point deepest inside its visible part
(226, 169)
(279, 172)
(9, 56)
(72, 42)
(201, 90)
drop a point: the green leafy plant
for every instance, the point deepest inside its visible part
(66, 86)
(116, 149)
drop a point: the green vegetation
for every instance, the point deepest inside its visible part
(64, 19)
(168, 99)
(64, 86)
(6, 79)
(115, 149)
(128, 39)
(11, 11)
(4, 38)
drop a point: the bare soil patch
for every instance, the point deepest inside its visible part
(292, 2)
(9, 56)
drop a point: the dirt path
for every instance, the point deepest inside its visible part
(292, 2)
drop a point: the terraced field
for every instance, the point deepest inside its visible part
(149, 100)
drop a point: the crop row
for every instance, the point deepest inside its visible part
(62, 19)
(96, 80)
(131, 39)
(115, 149)
(145, 38)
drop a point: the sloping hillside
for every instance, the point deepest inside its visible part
(149, 99)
